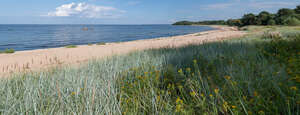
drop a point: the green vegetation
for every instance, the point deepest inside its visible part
(284, 16)
(101, 43)
(71, 46)
(8, 51)
(256, 74)
(89, 44)
(216, 22)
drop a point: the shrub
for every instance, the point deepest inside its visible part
(70, 46)
(89, 44)
(8, 51)
(271, 22)
(291, 21)
(101, 43)
(271, 35)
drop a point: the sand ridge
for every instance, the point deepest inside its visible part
(23, 61)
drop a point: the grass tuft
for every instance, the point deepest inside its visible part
(71, 46)
(101, 43)
(8, 51)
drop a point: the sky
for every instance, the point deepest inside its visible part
(131, 11)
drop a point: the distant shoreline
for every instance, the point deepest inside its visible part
(32, 60)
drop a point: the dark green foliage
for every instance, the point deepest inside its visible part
(234, 22)
(297, 10)
(284, 16)
(217, 22)
(271, 22)
(264, 17)
(214, 22)
(183, 23)
(249, 19)
(291, 21)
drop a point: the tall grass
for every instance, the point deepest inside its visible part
(231, 77)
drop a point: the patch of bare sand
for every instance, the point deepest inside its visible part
(24, 61)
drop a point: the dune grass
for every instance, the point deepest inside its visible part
(8, 51)
(101, 43)
(71, 46)
(249, 75)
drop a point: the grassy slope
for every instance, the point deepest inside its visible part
(241, 76)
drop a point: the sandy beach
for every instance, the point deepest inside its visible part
(26, 61)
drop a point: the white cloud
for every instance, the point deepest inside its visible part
(85, 10)
(277, 4)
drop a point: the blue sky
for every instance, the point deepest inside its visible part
(130, 11)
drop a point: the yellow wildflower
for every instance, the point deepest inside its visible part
(233, 107)
(297, 79)
(225, 106)
(227, 77)
(180, 71)
(234, 83)
(294, 88)
(255, 94)
(244, 97)
(178, 108)
(193, 93)
(210, 95)
(73, 93)
(195, 61)
(157, 98)
(188, 69)
(261, 112)
(202, 95)
(249, 113)
(216, 90)
(179, 101)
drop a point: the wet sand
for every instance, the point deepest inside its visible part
(33, 60)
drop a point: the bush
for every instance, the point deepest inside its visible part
(8, 51)
(271, 35)
(101, 43)
(271, 22)
(71, 46)
(291, 21)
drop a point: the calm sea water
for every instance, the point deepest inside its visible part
(28, 37)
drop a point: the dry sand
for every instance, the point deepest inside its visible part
(44, 58)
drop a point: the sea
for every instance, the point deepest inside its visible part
(29, 37)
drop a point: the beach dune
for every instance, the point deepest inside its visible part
(26, 61)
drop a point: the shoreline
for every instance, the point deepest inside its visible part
(33, 60)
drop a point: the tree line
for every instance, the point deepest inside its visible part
(284, 16)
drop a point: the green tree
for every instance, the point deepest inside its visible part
(291, 21)
(249, 19)
(283, 14)
(263, 18)
(297, 10)
(183, 23)
(271, 22)
(234, 22)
